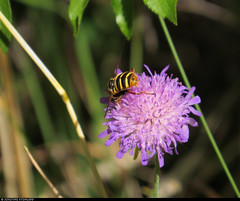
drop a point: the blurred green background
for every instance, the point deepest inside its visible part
(207, 39)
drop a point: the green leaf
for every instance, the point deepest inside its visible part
(163, 8)
(75, 12)
(5, 35)
(123, 10)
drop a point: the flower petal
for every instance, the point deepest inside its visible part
(194, 111)
(185, 133)
(192, 122)
(160, 160)
(164, 70)
(110, 141)
(120, 154)
(148, 69)
(152, 154)
(144, 158)
(104, 133)
(104, 100)
(117, 71)
(190, 93)
(194, 100)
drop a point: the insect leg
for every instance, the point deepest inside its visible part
(142, 92)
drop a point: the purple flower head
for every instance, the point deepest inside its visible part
(152, 121)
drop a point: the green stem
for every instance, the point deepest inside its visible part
(204, 122)
(156, 179)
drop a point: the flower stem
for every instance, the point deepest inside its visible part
(204, 122)
(156, 178)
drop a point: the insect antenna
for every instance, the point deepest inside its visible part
(120, 57)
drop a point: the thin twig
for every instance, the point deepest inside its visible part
(55, 191)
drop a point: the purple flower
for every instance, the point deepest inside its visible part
(153, 121)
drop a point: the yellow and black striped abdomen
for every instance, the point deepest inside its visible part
(123, 81)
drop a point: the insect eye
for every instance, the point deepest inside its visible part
(111, 84)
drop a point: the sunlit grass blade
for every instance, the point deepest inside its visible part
(63, 95)
(202, 118)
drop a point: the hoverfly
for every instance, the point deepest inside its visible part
(120, 84)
